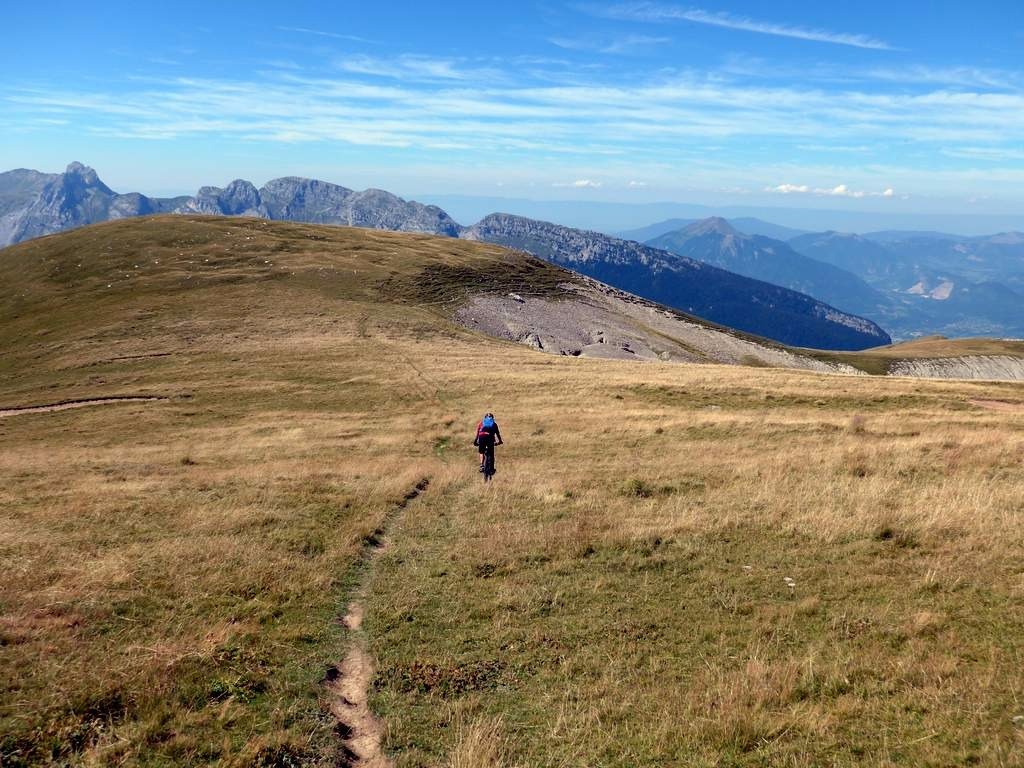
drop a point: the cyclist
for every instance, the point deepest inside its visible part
(487, 436)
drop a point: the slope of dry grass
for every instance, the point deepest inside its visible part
(620, 597)
(173, 570)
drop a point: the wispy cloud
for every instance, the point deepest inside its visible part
(431, 100)
(325, 33)
(413, 67)
(574, 126)
(621, 45)
(963, 77)
(655, 12)
(988, 154)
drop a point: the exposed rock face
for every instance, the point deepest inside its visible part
(685, 284)
(239, 198)
(595, 320)
(40, 204)
(34, 204)
(297, 199)
(991, 367)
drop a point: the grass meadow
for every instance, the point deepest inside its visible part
(674, 566)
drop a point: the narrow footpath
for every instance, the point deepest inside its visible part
(348, 683)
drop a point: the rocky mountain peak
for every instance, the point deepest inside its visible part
(79, 169)
(714, 225)
(80, 179)
(238, 197)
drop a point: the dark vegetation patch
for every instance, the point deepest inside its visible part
(453, 284)
(639, 488)
(445, 680)
(872, 364)
(898, 537)
(282, 756)
(750, 397)
(752, 361)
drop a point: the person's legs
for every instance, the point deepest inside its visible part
(485, 446)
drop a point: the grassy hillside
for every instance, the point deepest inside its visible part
(174, 570)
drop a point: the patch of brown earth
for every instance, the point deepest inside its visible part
(361, 730)
(999, 405)
(348, 683)
(68, 405)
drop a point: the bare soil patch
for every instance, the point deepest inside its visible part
(999, 405)
(70, 404)
(348, 683)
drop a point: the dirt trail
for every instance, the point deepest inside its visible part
(69, 404)
(348, 683)
(998, 405)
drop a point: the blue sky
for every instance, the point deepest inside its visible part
(915, 106)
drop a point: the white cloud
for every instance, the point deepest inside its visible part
(579, 184)
(840, 190)
(637, 184)
(656, 12)
(788, 189)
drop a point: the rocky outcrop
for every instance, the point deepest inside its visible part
(296, 199)
(239, 198)
(685, 284)
(984, 367)
(594, 320)
(39, 204)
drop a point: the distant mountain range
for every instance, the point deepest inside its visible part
(34, 204)
(934, 283)
(747, 225)
(715, 241)
(588, 211)
(912, 283)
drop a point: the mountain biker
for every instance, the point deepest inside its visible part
(487, 436)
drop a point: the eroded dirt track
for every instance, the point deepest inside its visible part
(348, 683)
(69, 404)
(1007, 406)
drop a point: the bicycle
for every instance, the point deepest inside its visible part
(488, 467)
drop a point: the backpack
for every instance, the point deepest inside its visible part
(487, 423)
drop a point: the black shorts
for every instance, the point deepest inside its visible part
(485, 444)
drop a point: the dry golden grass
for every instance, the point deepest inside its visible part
(478, 745)
(659, 627)
(675, 565)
